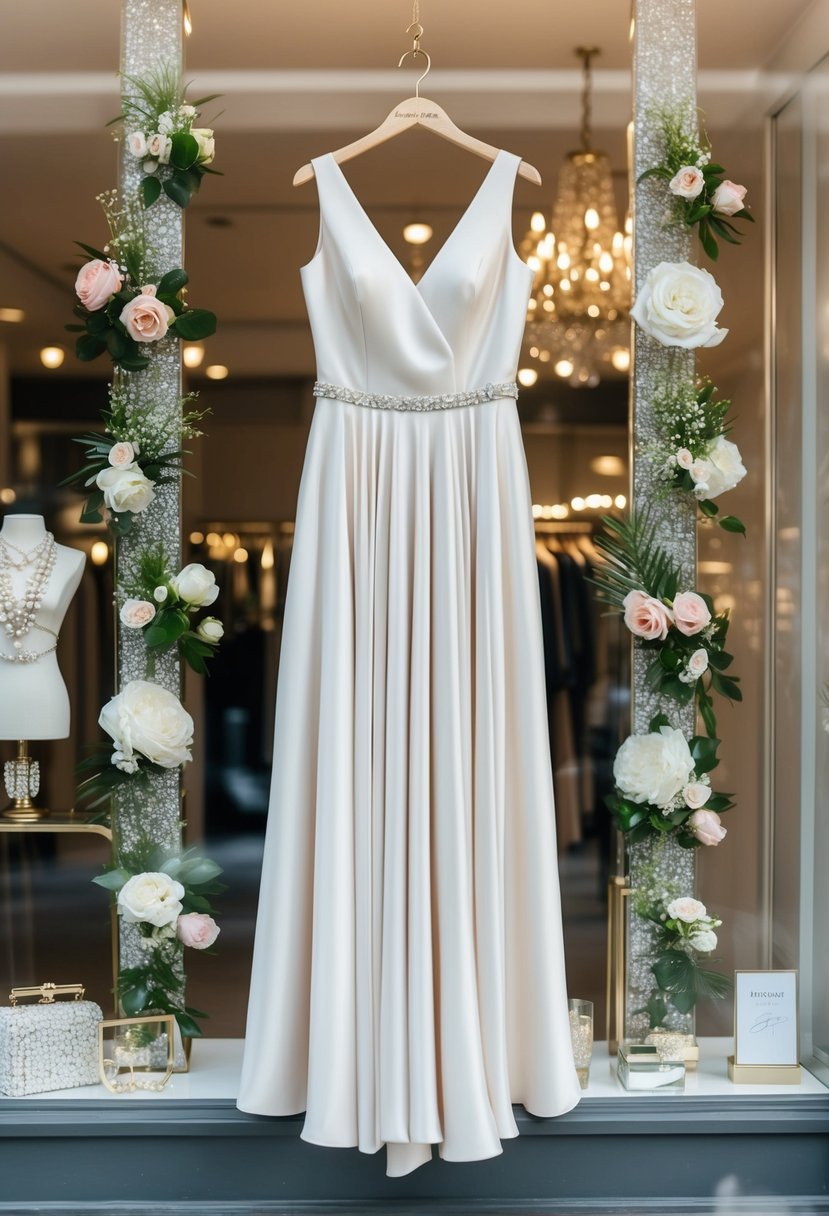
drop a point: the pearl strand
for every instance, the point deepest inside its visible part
(18, 615)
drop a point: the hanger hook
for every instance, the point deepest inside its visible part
(416, 30)
(414, 53)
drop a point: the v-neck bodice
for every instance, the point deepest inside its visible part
(377, 331)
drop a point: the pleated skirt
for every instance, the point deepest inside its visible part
(408, 979)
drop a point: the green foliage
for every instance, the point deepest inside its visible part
(633, 561)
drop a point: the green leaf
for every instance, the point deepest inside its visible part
(706, 709)
(708, 241)
(708, 507)
(166, 627)
(199, 870)
(195, 323)
(669, 659)
(112, 880)
(658, 721)
(176, 190)
(134, 998)
(118, 344)
(188, 1027)
(720, 659)
(97, 323)
(134, 363)
(704, 753)
(88, 347)
(93, 252)
(150, 191)
(657, 1011)
(726, 686)
(172, 282)
(730, 523)
(184, 150)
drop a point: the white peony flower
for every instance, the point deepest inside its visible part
(687, 909)
(705, 940)
(151, 899)
(135, 614)
(679, 305)
(196, 586)
(688, 182)
(211, 629)
(654, 767)
(137, 144)
(125, 489)
(147, 720)
(207, 143)
(725, 466)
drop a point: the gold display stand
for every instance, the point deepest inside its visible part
(763, 1074)
(22, 779)
(617, 891)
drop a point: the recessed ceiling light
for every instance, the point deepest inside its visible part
(12, 315)
(216, 371)
(418, 233)
(52, 356)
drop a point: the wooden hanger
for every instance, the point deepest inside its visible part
(417, 111)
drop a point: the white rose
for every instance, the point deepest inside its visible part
(125, 489)
(696, 794)
(187, 111)
(705, 940)
(678, 305)
(137, 144)
(160, 594)
(728, 198)
(700, 471)
(121, 455)
(147, 719)
(698, 663)
(687, 183)
(165, 122)
(152, 898)
(726, 468)
(158, 147)
(211, 630)
(687, 910)
(135, 614)
(196, 586)
(654, 767)
(684, 458)
(207, 144)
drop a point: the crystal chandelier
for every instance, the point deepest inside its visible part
(577, 319)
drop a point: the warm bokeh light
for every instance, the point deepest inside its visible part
(620, 358)
(417, 233)
(538, 222)
(7, 496)
(196, 538)
(527, 376)
(216, 371)
(564, 368)
(192, 356)
(99, 553)
(267, 555)
(52, 356)
(608, 466)
(240, 555)
(620, 501)
(12, 315)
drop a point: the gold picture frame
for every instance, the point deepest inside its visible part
(759, 1066)
(133, 1064)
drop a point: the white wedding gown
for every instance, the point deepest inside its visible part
(408, 977)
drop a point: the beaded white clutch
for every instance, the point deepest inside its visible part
(50, 1045)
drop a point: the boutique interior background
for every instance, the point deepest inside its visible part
(297, 81)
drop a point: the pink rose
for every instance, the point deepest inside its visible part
(728, 197)
(707, 827)
(645, 616)
(197, 930)
(696, 794)
(121, 455)
(135, 614)
(684, 458)
(687, 183)
(690, 613)
(96, 282)
(146, 319)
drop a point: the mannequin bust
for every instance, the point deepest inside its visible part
(34, 703)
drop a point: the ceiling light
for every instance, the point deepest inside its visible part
(240, 555)
(13, 315)
(196, 538)
(7, 496)
(537, 222)
(564, 368)
(527, 376)
(620, 358)
(577, 504)
(99, 552)
(714, 567)
(608, 466)
(417, 233)
(192, 356)
(216, 371)
(267, 556)
(620, 501)
(52, 356)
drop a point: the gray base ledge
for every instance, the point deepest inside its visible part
(667, 1154)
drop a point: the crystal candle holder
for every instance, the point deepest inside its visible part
(581, 1036)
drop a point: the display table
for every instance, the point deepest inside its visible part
(719, 1147)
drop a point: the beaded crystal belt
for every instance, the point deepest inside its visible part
(443, 401)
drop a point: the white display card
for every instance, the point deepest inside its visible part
(766, 1027)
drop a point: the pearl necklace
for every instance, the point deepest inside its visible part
(18, 614)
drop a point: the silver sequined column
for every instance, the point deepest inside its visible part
(151, 36)
(664, 69)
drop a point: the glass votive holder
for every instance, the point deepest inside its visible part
(581, 1036)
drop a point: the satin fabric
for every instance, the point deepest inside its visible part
(408, 979)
